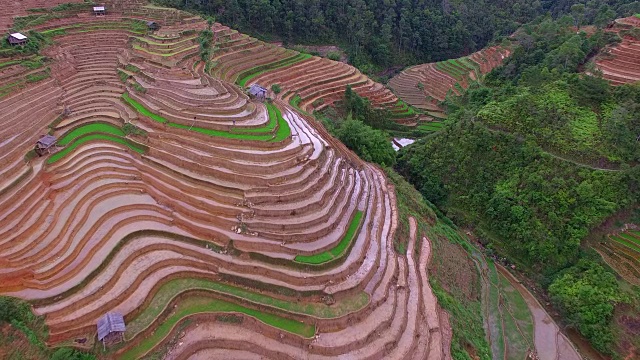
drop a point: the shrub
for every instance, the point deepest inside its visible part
(276, 88)
(587, 293)
(130, 129)
(31, 78)
(318, 102)
(71, 354)
(420, 86)
(370, 144)
(123, 75)
(139, 88)
(132, 68)
(334, 55)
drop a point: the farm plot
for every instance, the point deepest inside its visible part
(199, 213)
(622, 252)
(425, 86)
(315, 82)
(620, 63)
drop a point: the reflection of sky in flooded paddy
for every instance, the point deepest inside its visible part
(402, 142)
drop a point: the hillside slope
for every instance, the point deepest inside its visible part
(239, 227)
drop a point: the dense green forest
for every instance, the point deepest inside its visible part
(534, 159)
(397, 32)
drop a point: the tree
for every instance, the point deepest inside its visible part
(577, 11)
(587, 293)
(370, 144)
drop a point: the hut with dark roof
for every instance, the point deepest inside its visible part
(258, 92)
(44, 145)
(111, 329)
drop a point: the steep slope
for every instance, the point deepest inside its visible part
(176, 200)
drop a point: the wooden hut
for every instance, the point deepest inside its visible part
(111, 329)
(44, 145)
(99, 11)
(152, 25)
(17, 39)
(258, 92)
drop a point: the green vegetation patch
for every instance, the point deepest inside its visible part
(430, 126)
(9, 63)
(138, 47)
(258, 70)
(143, 110)
(275, 117)
(90, 137)
(24, 334)
(88, 129)
(201, 304)
(626, 242)
(174, 287)
(337, 251)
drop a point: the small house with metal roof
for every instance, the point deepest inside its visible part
(99, 11)
(44, 145)
(258, 92)
(111, 328)
(17, 39)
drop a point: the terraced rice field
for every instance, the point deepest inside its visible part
(425, 86)
(622, 252)
(314, 82)
(620, 64)
(240, 228)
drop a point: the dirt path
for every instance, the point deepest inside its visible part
(550, 342)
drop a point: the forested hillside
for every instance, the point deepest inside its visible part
(533, 160)
(394, 32)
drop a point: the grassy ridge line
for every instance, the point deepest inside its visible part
(140, 48)
(259, 70)
(93, 136)
(337, 251)
(195, 305)
(90, 128)
(283, 129)
(173, 288)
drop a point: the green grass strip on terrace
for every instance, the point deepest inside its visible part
(406, 110)
(259, 70)
(193, 305)
(431, 126)
(174, 287)
(282, 133)
(156, 43)
(9, 63)
(625, 242)
(337, 251)
(631, 238)
(90, 128)
(138, 47)
(79, 141)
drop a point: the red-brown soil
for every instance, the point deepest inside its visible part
(620, 63)
(425, 85)
(103, 228)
